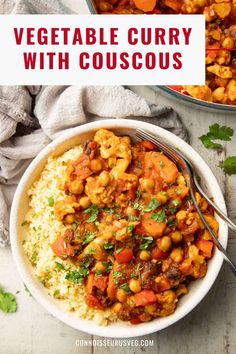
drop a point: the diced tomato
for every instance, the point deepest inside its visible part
(135, 321)
(92, 301)
(145, 297)
(176, 88)
(147, 145)
(124, 256)
(131, 194)
(62, 249)
(159, 254)
(100, 281)
(205, 248)
(139, 230)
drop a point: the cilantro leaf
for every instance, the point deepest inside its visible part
(130, 228)
(206, 140)
(160, 216)
(7, 302)
(51, 201)
(125, 287)
(88, 238)
(229, 165)
(146, 242)
(108, 246)
(138, 194)
(222, 133)
(77, 276)
(216, 132)
(154, 203)
(93, 211)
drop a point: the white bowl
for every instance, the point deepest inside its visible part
(198, 289)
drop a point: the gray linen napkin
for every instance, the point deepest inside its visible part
(32, 116)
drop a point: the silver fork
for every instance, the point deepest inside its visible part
(188, 172)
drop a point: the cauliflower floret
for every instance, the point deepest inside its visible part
(231, 90)
(219, 95)
(65, 206)
(222, 71)
(200, 92)
(100, 194)
(112, 146)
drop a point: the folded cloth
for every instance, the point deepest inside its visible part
(32, 116)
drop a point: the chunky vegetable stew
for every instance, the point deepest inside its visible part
(220, 17)
(131, 228)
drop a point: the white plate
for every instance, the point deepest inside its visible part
(197, 289)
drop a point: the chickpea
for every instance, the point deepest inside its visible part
(165, 243)
(99, 267)
(76, 186)
(135, 285)
(104, 178)
(228, 43)
(176, 236)
(121, 295)
(85, 202)
(130, 211)
(177, 255)
(162, 197)
(117, 307)
(69, 219)
(144, 255)
(146, 184)
(95, 165)
(181, 215)
(105, 6)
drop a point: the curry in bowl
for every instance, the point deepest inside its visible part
(112, 233)
(220, 18)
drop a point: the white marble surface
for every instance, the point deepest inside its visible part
(209, 329)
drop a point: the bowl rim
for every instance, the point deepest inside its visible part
(47, 302)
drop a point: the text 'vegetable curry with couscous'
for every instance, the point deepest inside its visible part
(112, 232)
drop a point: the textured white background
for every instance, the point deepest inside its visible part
(209, 329)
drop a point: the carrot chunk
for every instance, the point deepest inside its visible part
(205, 247)
(145, 5)
(145, 297)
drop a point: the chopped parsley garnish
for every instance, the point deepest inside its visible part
(98, 272)
(154, 203)
(108, 246)
(172, 210)
(7, 302)
(77, 276)
(130, 228)
(93, 211)
(51, 201)
(116, 275)
(160, 216)
(137, 206)
(176, 202)
(138, 195)
(216, 132)
(88, 238)
(125, 287)
(107, 265)
(24, 222)
(91, 251)
(60, 266)
(161, 164)
(179, 191)
(229, 165)
(146, 242)
(133, 218)
(171, 222)
(109, 211)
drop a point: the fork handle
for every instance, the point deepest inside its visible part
(215, 207)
